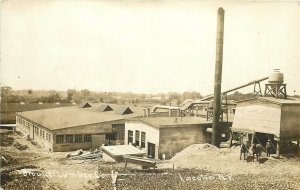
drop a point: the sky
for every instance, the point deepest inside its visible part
(146, 46)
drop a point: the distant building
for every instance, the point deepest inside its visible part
(87, 126)
(9, 110)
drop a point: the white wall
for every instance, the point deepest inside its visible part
(257, 118)
(152, 134)
(27, 128)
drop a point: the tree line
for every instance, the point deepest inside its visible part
(10, 95)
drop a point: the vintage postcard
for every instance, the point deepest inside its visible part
(161, 94)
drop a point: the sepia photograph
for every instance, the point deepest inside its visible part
(149, 94)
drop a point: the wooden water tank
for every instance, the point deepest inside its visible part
(276, 77)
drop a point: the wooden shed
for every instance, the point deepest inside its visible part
(279, 117)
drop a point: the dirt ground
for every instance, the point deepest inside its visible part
(206, 156)
(199, 166)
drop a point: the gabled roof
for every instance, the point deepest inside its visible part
(58, 118)
(85, 105)
(123, 111)
(137, 111)
(104, 107)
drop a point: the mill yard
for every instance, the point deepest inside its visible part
(107, 146)
(100, 140)
(197, 166)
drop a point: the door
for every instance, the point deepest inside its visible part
(151, 150)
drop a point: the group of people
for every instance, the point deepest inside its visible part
(255, 150)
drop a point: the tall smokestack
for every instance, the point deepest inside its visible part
(216, 131)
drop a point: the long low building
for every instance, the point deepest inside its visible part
(78, 127)
(163, 137)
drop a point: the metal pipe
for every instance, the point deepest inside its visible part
(165, 107)
(247, 84)
(216, 131)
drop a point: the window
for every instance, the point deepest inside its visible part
(36, 130)
(87, 138)
(41, 133)
(59, 139)
(120, 130)
(137, 138)
(49, 137)
(69, 138)
(78, 138)
(143, 140)
(130, 137)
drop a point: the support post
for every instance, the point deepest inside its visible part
(252, 140)
(114, 177)
(230, 140)
(207, 115)
(278, 150)
(125, 167)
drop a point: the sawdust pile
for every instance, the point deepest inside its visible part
(195, 149)
(209, 157)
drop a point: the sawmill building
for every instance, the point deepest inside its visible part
(268, 118)
(87, 126)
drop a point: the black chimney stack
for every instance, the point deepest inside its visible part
(216, 131)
